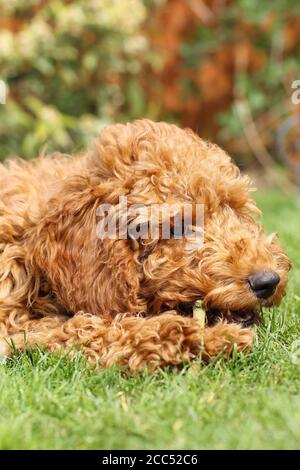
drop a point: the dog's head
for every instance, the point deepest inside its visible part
(235, 269)
(236, 272)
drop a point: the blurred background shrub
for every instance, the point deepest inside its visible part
(223, 68)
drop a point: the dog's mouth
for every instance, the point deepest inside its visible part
(245, 317)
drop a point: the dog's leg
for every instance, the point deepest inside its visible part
(136, 342)
(20, 304)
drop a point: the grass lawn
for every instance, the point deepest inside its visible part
(251, 402)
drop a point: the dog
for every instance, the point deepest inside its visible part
(129, 301)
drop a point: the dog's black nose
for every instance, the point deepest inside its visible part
(264, 283)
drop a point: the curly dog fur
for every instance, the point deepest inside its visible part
(125, 304)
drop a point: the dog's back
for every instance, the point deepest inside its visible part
(25, 187)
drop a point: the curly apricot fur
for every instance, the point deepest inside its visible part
(61, 285)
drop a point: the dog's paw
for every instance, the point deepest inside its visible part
(223, 336)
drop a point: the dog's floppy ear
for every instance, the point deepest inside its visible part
(84, 272)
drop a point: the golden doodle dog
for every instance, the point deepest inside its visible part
(130, 301)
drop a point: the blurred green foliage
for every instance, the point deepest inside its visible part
(266, 91)
(74, 66)
(70, 68)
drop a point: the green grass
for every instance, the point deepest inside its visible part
(251, 402)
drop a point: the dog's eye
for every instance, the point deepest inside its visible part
(176, 232)
(180, 232)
